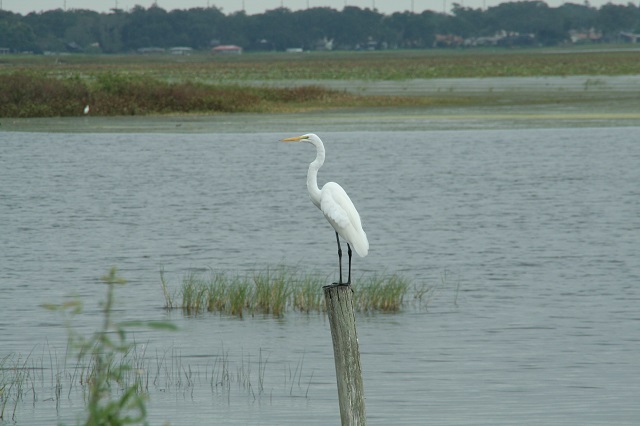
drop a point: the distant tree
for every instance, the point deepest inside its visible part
(237, 29)
(109, 31)
(613, 18)
(316, 24)
(528, 17)
(577, 16)
(84, 31)
(469, 22)
(15, 34)
(147, 28)
(411, 30)
(278, 29)
(357, 27)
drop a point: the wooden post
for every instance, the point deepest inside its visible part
(339, 300)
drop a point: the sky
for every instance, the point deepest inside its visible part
(259, 6)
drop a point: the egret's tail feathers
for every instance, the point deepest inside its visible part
(361, 245)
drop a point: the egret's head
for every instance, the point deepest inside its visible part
(303, 138)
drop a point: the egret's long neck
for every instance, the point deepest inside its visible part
(312, 174)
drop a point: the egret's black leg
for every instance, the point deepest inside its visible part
(339, 258)
(349, 253)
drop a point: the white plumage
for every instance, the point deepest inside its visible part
(335, 204)
(339, 210)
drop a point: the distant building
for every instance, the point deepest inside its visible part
(227, 49)
(629, 37)
(73, 47)
(586, 36)
(502, 38)
(324, 44)
(150, 50)
(181, 50)
(447, 40)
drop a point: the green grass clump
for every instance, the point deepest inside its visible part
(272, 290)
(276, 291)
(307, 295)
(381, 293)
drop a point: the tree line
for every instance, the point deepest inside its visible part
(352, 27)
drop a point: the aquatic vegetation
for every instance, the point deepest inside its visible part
(381, 293)
(274, 291)
(114, 376)
(45, 376)
(16, 382)
(108, 364)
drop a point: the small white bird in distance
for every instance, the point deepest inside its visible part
(336, 206)
(86, 110)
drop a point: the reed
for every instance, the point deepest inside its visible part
(381, 293)
(18, 378)
(115, 376)
(307, 295)
(29, 380)
(107, 361)
(239, 293)
(272, 291)
(278, 290)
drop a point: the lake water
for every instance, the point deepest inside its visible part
(532, 236)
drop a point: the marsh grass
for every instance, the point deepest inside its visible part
(381, 293)
(43, 377)
(33, 94)
(278, 290)
(107, 364)
(345, 65)
(114, 374)
(17, 380)
(133, 85)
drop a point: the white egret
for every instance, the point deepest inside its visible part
(86, 110)
(336, 206)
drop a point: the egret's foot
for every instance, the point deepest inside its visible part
(336, 285)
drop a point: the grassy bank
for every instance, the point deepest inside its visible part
(39, 95)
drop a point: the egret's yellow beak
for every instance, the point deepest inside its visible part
(294, 139)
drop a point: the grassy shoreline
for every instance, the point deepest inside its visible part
(28, 95)
(127, 85)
